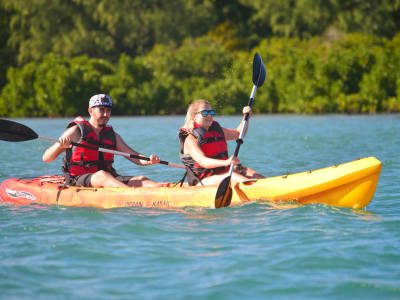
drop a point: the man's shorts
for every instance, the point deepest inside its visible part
(84, 180)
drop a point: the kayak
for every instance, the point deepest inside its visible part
(350, 184)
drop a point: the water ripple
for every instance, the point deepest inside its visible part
(259, 250)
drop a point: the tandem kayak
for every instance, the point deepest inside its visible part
(351, 185)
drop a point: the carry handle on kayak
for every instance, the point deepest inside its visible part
(11, 131)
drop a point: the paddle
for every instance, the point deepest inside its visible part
(11, 131)
(224, 193)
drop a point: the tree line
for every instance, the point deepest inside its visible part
(154, 57)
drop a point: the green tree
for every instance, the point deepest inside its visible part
(301, 18)
(18, 96)
(358, 74)
(7, 54)
(104, 28)
(55, 87)
(378, 17)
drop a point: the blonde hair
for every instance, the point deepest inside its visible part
(192, 110)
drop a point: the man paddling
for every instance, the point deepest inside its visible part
(91, 168)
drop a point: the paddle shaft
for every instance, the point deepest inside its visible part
(114, 152)
(239, 141)
(223, 197)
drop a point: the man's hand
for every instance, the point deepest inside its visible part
(154, 159)
(64, 142)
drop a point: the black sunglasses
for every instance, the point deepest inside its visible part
(204, 113)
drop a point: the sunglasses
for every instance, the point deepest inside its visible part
(205, 113)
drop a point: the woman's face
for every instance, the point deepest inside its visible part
(200, 119)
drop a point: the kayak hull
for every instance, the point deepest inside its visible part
(44, 190)
(351, 184)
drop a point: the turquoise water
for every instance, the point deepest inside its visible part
(255, 251)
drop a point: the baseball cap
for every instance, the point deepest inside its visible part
(100, 100)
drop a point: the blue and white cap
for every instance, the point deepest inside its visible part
(100, 100)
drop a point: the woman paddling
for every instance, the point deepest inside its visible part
(204, 149)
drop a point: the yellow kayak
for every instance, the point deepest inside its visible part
(351, 184)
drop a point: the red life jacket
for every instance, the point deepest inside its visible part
(79, 160)
(213, 144)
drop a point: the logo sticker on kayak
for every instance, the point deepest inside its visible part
(20, 194)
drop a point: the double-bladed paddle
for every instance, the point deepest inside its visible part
(224, 193)
(11, 131)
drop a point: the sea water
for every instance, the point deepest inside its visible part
(255, 251)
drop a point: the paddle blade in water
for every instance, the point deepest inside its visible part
(15, 132)
(224, 193)
(259, 71)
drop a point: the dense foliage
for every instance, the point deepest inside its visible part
(154, 57)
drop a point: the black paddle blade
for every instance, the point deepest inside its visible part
(224, 193)
(259, 71)
(15, 132)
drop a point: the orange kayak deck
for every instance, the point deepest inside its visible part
(351, 184)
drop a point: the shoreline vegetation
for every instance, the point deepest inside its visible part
(348, 64)
(85, 116)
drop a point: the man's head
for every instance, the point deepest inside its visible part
(100, 100)
(100, 109)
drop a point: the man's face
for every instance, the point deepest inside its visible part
(100, 114)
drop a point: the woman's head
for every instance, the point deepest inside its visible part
(194, 114)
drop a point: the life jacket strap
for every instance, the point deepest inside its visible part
(62, 186)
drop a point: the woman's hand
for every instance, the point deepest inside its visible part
(247, 110)
(231, 160)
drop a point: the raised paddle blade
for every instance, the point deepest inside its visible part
(259, 71)
(224, 193)
(15, 132)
